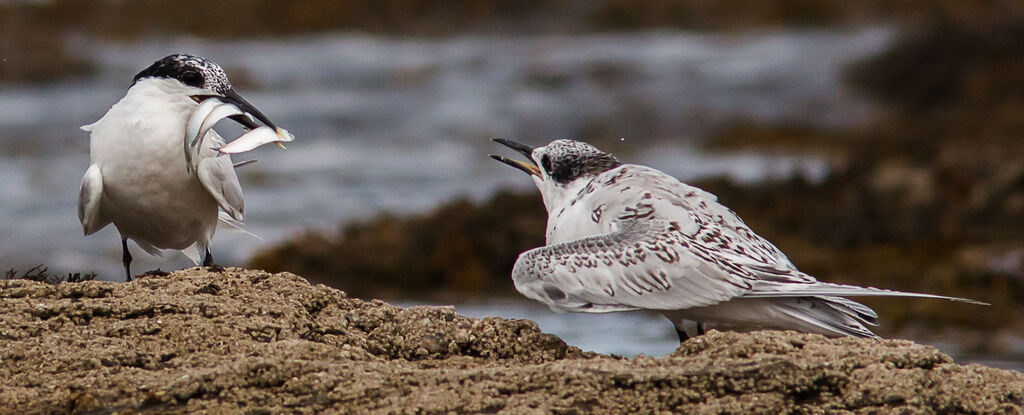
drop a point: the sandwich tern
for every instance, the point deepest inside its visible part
(626, 237)
(140, 180)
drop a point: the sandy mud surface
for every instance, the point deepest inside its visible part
(243, 341)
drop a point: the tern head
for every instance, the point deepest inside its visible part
(201, 79)
(560, 165)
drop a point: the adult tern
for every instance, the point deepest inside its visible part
(140, 179)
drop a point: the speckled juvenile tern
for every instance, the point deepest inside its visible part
(628, 237)
(140, 179)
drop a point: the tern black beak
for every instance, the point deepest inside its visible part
(529, 168)
(233, 97)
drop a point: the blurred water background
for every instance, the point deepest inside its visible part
(398, 121)
(402, 125)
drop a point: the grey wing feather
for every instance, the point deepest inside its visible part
(226, 220)
(714, 228)
(715, 233)
(644, 264)
(674, 247)
(721, 238)
(218, 177)
(765, 289)
(863, 312)
(89, 201)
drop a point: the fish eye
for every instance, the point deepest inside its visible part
(192, 78)
(545, 162)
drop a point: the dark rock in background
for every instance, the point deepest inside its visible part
(461, 248)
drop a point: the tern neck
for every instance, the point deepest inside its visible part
(151, 115)
(558, 196)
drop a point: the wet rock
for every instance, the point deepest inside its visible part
(462, 248)
(272, 343)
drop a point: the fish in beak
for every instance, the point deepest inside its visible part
(529, 168)
(213, 108)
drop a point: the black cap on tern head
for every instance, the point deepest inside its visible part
(562, 160)
(190, 70)
(199, 72)
(567, 160)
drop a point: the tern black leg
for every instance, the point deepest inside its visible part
(700, 329)
(208, 263)
(682, 335)
(126, 259)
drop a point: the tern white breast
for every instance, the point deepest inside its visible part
(147, 191)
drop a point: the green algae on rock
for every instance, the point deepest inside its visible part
(243, 341)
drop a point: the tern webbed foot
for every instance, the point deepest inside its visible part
(208, 263)
(156, 273)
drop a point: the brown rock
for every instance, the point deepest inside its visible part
(251, 342)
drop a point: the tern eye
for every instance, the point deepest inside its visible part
(192, 78)
(545, 162)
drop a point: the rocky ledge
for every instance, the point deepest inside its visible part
(243, 341)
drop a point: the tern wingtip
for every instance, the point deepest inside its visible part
(970, 301)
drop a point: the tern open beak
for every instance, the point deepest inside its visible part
(529, 168)
(251, 112)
